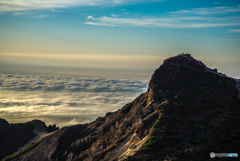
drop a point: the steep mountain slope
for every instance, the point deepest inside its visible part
(188, 111)
(200, 116)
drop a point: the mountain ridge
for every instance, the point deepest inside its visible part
(188, 111)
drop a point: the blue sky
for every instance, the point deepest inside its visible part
(134, 35)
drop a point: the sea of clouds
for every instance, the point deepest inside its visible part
(63, 100)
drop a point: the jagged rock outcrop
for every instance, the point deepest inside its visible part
(188, 111)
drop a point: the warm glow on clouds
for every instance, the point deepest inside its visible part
(64, 100)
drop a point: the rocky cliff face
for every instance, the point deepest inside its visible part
(188, 111)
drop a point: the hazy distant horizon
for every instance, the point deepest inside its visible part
(142, 70)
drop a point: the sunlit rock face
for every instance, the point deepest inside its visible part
(188, 111)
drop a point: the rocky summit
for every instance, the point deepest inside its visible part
(188, 111)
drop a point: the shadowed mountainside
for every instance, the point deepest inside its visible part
(15, 136)
(188, 111)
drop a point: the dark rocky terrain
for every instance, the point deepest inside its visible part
(188, 111)
(13, 136)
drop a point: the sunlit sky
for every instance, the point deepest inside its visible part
(134, 35)
(67, 62)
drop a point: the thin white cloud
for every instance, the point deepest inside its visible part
(113, 15)
(207, 11)
(33, 16)
(53, 10)
(30, 14)
(193, 18)
(89, 17)
(21, 13)
(118, 1)
(234, 30)
(98, 24)
(23, 5)
(167, 22)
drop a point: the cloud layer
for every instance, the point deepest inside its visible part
(63, 100)
(64, 83)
